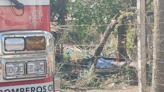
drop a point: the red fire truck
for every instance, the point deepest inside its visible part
(26, 46)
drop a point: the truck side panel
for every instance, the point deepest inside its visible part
(36, 15)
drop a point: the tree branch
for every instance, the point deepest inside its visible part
(107, 32)
(147, 4)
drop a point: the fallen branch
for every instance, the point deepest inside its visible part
(149, 2)
(107, 32)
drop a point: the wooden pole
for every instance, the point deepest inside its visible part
(141, 46)
(158, 47)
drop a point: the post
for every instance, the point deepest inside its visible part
(158, 47)
(141, 46)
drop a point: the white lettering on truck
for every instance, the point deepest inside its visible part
(44, 87)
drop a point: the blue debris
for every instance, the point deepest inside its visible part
(102, 63)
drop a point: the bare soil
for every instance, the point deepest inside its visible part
(128, 89)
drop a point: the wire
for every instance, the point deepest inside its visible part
(12, 8)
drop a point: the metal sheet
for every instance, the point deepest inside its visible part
(25, 56)
(26, 2)
(34, 17)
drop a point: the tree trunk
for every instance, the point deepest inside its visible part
(121, 48)
(149, 38)
(158, 47)
(104, 40)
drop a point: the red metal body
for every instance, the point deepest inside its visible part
(48, 79)
(36, 16)
(9, 21)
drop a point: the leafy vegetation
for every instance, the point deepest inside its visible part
(93, 16)
(89, 19)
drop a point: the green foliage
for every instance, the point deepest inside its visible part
(66, 58)
(130, 41)
(88, 78)
(93, 15)
(59, 9)
(91, 18)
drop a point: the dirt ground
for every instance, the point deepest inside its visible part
(134, 89)
(129, 89)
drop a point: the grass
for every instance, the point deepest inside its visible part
(89, 78)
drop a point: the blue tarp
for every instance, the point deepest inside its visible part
(102, 63)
